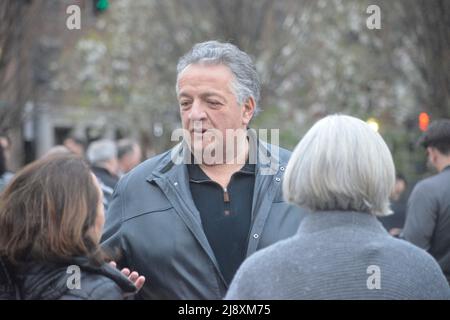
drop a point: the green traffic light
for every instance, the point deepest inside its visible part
(102, 5)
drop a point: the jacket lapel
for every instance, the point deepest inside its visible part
(173, 180)
(268, 176)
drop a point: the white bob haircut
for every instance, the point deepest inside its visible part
(341, 164)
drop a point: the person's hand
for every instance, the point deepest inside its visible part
(133, 276)
(395, 232)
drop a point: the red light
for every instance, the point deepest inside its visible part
(424, 121)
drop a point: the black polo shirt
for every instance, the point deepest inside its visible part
(225, 214)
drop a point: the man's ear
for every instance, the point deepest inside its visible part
(432, 152)
(248, 110)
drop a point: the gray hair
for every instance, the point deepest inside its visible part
(341, 164)
(101, 150)
(246, 83)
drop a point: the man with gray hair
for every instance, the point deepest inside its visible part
(102, 155)
(187, 226)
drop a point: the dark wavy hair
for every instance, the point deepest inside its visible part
(48, 211)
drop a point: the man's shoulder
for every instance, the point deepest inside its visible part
(145, 169)
(285, 154)
(434, 184)
(277, 151)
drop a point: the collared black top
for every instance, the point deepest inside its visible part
(225, 214)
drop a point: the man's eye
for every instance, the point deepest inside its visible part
(214, 103)
(185, 104)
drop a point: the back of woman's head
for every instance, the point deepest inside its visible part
(48, 211)
(341, 164)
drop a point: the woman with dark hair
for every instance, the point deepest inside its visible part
(51, 220)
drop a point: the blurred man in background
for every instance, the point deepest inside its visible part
(102, 155)
(75, 145)
(5, 153)
(5, 176)
(129, 154)
(5, 143)
(428, 212)
(394, 223)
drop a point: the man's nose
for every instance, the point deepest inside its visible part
(197, 112)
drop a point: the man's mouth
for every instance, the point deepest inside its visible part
(198, 131)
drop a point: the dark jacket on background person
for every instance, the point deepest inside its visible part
(338, 255)
(107, 183)
(157, 227)
(105, 176)
(397, 219)
(428, 218)
(39, 281)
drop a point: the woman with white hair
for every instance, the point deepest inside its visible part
(343, 172)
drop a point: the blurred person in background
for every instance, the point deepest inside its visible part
(75, 144)
(129, 155)
(51, 220)
(343, 172)
(5, 175)
(428, 212)
(57, 150)
(394, 223)
(102, 155)
(5, 142)
(5, 156)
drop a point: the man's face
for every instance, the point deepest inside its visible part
(399, 188)
(4, 142)
(74, 147)
(136, 156)
(207, 99)
(131, 160)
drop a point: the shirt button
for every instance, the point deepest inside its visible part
(277, 179)
(282, 168)
(256, 236)
(175, 184)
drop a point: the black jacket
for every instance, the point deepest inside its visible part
(39, 281)
(154, 222)
(107, 183)
(108, 179)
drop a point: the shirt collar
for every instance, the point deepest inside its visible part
(196, 174)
